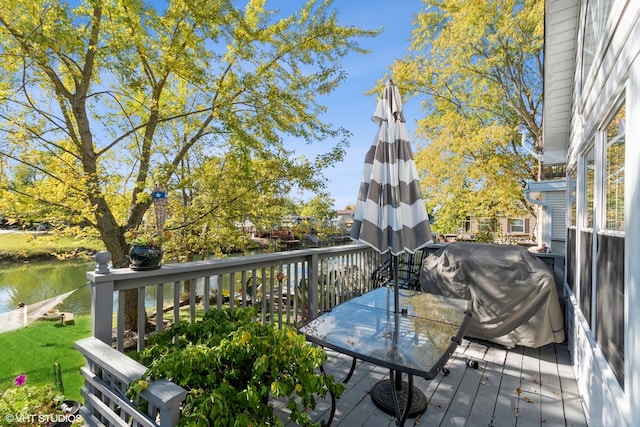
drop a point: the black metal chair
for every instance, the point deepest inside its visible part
(408, 270)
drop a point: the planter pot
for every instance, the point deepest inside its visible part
(66, 419)
(145, 257)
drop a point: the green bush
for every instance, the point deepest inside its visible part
(231, 365)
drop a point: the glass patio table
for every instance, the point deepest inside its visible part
(416, 339)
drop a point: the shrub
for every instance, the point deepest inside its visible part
(231, 365)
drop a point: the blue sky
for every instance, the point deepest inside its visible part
(348, 106)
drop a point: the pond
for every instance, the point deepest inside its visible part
(31, 282)
(35, 281)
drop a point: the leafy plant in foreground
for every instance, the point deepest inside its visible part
(231, 365)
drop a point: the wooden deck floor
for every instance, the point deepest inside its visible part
(521, 387)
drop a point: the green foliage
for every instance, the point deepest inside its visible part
(104, 100)
(319, 207)
(476, 68)
(26, 401)
(18, 246)
(485, 236)
(223, 191)
(230, 365)
(147, 236)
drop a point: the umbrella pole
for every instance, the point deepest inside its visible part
(395, 396)
(396, 286)
(396, 308)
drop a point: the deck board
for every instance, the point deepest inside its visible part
(521, 387)
(486, 398)
(529, 399)
(551, 407)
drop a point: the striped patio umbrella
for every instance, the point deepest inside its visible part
(390, 214)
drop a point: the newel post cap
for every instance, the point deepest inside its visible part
(102, 262)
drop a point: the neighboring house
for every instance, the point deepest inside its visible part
(549, 197)
(506, 230)
(591, 108)
(343, 219)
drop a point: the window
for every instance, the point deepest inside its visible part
(595, 19)
(573, 201)
(601, 240)
(572, 180)
(610, 311)
(571, 258)
(590, 174)
(614, 173)
(609, 257)
(516, 225)
(586, 217)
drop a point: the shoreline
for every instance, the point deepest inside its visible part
(22, 255)
(86, 253)
(8, 257)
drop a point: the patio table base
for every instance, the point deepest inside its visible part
(382, 397)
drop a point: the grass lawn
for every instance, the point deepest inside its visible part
(19, 245)
(34, 350)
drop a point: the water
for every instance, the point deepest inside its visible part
(31, 282)
(36, 281)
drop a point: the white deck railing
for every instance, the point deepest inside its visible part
(278, 282)
(107, 374)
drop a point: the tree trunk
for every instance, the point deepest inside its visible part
(113, 238)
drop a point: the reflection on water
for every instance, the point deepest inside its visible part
(31, 282)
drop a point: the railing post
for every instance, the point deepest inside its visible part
(170, 404)
(108, 373)
(313, 286)
(101, 299)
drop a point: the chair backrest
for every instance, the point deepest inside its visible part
(409, 266)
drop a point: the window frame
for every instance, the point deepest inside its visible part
(510, 223)
(607, 143)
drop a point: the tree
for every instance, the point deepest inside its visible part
(221, 192)
(106, 99)
(477, 70)
(319, 207)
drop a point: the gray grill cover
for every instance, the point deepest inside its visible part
(513, 294)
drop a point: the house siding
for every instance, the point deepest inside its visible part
(558, 200)
(551, 213)
(613, 77)
(632, 239)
